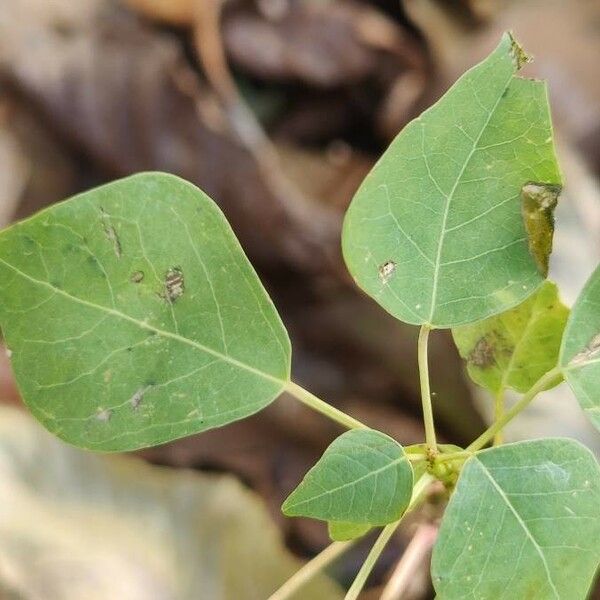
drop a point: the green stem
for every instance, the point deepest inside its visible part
(383, 539)
(542, 383)
(374, 554)
(310, 569)
(498, 414)
(325, 409)
(425, 390)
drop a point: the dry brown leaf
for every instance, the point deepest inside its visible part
(76, 525)
(124, 93)
(315, 43)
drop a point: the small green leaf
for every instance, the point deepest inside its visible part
(363, 477)
(580, 352)
(134, 317)
(454, 222)
(515, 348)
(522, 523)
(340, 531)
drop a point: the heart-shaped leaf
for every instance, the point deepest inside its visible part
(364, 477)
(580, 352)
(522, 523)
(454, 223)
(134, 317)
(515, 348)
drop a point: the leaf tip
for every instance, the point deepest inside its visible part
(287, 508)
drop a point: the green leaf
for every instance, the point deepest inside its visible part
(363, 477)
(522, 523)
(340, 531)
(134, 317)
(515, 348)
(580, 351)
(454, 222)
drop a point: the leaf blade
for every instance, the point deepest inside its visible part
(515, 348)
(580, 350)
(363, 477)
(431, 215)
(523, 518)
(140, 289)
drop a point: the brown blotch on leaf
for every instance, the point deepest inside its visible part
(174, 286)
(519, 55)
(137, 277)
(538, 201)
(137, 398)
(483, 354)
(111, 233)
(387, 270)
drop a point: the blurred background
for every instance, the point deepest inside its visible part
(277, 109)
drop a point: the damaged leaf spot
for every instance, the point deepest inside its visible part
(387, 270)
(515, 348)
(104, 415)
(111, 234)
(483, 354)
(592, 350)
(538, 203)
(174, 284)
(138, 397)
(137, 277)
(519, 55)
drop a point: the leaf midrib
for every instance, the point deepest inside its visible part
(450, 196)
(147, 326)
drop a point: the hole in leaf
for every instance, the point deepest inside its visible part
(387, 270)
